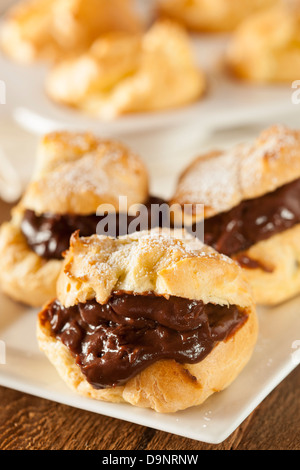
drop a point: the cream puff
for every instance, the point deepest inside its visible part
(154, 319)
(51, 29)
(211, 15)
(266, 46)
(124, 73)
(251, 198)
(76, 175)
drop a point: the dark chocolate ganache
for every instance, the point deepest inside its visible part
(113, 342)
(254, 220)
(48, 235)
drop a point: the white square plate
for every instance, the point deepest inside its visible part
(275, 356)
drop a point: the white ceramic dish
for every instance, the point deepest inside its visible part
(227, 102)
(275, 356)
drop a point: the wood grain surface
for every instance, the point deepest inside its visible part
(31, 423)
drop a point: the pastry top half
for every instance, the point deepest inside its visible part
(220, 180)
(211, 16)
(177, 265)
(51, 29)
(77, 172)
(124, 73)
(266, 46)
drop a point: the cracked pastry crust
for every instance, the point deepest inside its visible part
(223, 179)
(266, 46)
(211, 15)
(124, 73)
(95, 267)
(149, 262)
(75, 174)
(51, 29)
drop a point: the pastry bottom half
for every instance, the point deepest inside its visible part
(25, 276)
(278, 278)
(165, 386)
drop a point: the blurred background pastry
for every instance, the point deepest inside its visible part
(251, 196)
(211, 15)
(49, 29)
(125, 73)
(265, 48)
(76, 175)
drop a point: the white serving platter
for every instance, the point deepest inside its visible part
(26, 369)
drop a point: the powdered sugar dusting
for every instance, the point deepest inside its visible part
(213, 181)
(171, 240)
(83, 175)
(141, 262)
(141, 254)
(268, 146)
(222, 180)
(103, 170)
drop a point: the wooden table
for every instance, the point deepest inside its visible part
(30, 423)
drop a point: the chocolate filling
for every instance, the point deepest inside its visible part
(48, 235)
(254, 220)
(113, 342)
(250, 263)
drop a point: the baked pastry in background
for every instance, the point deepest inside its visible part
(50, 29)
(211, 15)
(125, 73)
(251, 199)
(76, 174)
(266, 46)
(154, 318)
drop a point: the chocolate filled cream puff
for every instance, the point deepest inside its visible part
(51, 29)
(266, 46)
(251, 204)
(76, 175)
(211, 15)
(153, 318)
(125, 73)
